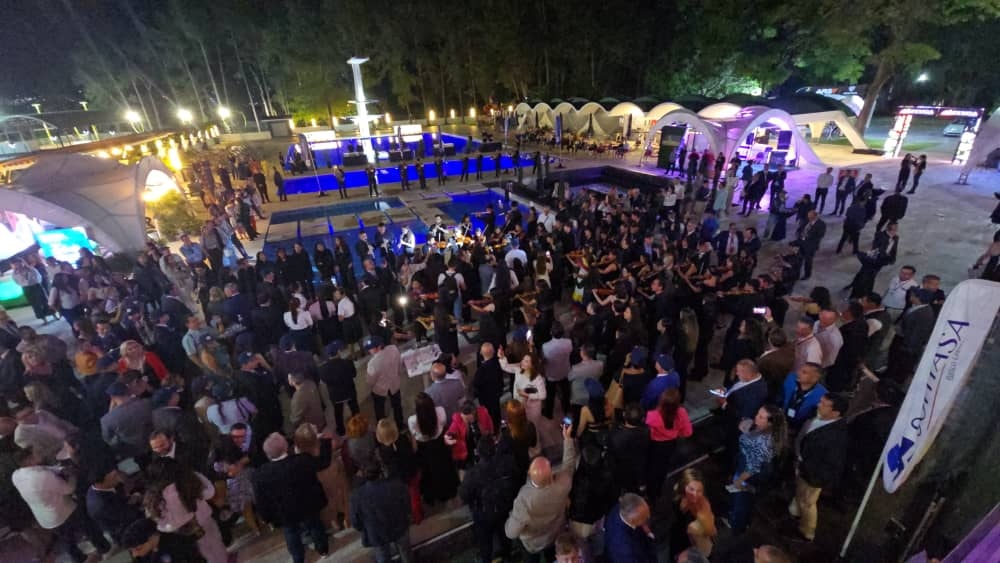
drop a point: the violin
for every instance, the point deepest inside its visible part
(429, 296)
(603, 291)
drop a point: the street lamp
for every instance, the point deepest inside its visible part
(185, 115)
(225, 113)
(430, 116)
(388, 118)
(84, 104)
(924, 77)
(134, 119)
(472, 113)
(38, 108)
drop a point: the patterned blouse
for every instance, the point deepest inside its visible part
(756, 449)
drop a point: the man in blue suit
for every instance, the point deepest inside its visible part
(626, 531)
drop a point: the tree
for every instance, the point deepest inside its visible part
(895, 35)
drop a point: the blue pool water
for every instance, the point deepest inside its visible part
(346, 208)
(388, 173)
(459, 205)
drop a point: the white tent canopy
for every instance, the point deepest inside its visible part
(987, 141)
(101, 195)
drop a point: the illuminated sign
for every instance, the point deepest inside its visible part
(894, 143)
(411, 133)
(320, 136)
(63, 244)
(940, 111)
(959, 113)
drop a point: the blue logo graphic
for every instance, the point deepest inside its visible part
(894, 459)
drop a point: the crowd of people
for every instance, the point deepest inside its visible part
(203, 393)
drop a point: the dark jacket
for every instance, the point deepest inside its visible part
(111, 511)
(237, 309)
(488, 384)
(268, 325)
(380, 510)
(894, 206)
(298, 268)
(854, 218)
(775, 367)
(855, 335)
(339, 374)
(811, 236)
(917, 326)
(287, 491)
(622, 543)
(629, 449)
(822, 454)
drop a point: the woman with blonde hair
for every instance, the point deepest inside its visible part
(333, 477)
(400, 462)
(694, 522)
(134, 356)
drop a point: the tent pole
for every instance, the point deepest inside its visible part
(861, 509)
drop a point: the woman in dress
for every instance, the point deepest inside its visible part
(344, 264)
(761, 441)
(438, 476)
(177, 501)
(694, 522)
(529, 384)
(667, 423)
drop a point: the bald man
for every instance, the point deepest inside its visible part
(539, 512)
(829, 337)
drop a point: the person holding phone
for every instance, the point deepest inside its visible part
(529, 384)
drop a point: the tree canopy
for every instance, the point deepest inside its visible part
(288, 56)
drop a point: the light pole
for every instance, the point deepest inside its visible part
(185, 116)
(133, 119)
(364, 127)
(84, 104)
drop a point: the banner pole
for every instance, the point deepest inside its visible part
(861, 509)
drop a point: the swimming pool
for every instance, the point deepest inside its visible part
(320, 224)
(388, 173)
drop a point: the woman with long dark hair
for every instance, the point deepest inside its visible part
(438, 476)
(667, 423)
(344, 264)
(177, 501)
(761, 442)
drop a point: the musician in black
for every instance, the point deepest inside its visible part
(497, 161)
(479, 165)
(363, 248)
(465, 227)
(421, 174)
(439, 169)
(465, 168)
(439, 233)
(489, 218)
(384, 243)
(404, 176)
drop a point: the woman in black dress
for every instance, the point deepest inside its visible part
(438, 476)
(344, 264)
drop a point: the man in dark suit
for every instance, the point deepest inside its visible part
(173, 306)
(743, 399)
(488, 384)
(887, 243)
(128, 421)
(915, 328)
(237, 306)
(810, 236)
(289, 495)
(854, 331)
(11, 369)
(820, 455)
(893, 209)
(728, 243)
(776, 362)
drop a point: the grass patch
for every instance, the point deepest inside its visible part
(879, 143)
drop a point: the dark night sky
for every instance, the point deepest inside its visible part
(36, 48)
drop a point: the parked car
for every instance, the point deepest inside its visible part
(957, 127)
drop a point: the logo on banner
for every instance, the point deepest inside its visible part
(961, 329)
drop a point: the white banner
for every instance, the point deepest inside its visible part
(950, 355)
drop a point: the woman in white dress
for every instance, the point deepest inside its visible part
(529, 384)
